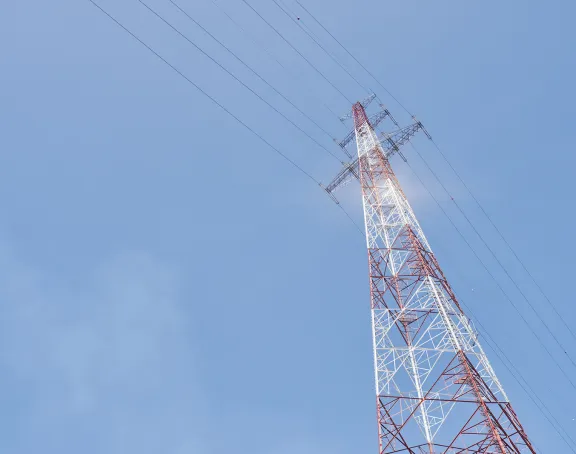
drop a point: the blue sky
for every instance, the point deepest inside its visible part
(169, 284)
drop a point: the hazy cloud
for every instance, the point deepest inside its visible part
(108, 359)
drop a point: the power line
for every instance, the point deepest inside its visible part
(462, 212)
(496, 348)
(211, 98)
(237, 79)
(299, 24)
(506, 242)
(513, 370)
(534, 333)
(190, 81)
(533, 279)
(495, 257)
(249, 67)
(267, 52)
(206, 94)
(297, 51)
(487, 335)
(339, 205)
(355, 59)
(485, 266)
(540, 405)
(254, 41)
(398, 258)
(299, 19)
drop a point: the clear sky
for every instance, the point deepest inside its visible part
(170, 285)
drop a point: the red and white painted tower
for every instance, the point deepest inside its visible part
(436, 390)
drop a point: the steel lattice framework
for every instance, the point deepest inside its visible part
(436, 390)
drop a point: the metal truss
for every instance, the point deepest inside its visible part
(375, 120)
(389, 144)
(365, 103)
(436, 390)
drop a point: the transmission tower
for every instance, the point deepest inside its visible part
(436, 391)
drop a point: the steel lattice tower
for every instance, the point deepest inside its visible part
(436, 390)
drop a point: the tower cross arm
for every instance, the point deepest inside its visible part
(365, 103)
(374, 120)
(389, 145)
(347, 174)
(392, 142)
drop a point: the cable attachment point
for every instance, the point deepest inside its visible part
(334, 199)
(419, 123)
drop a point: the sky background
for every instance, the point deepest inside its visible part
(169, 284)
